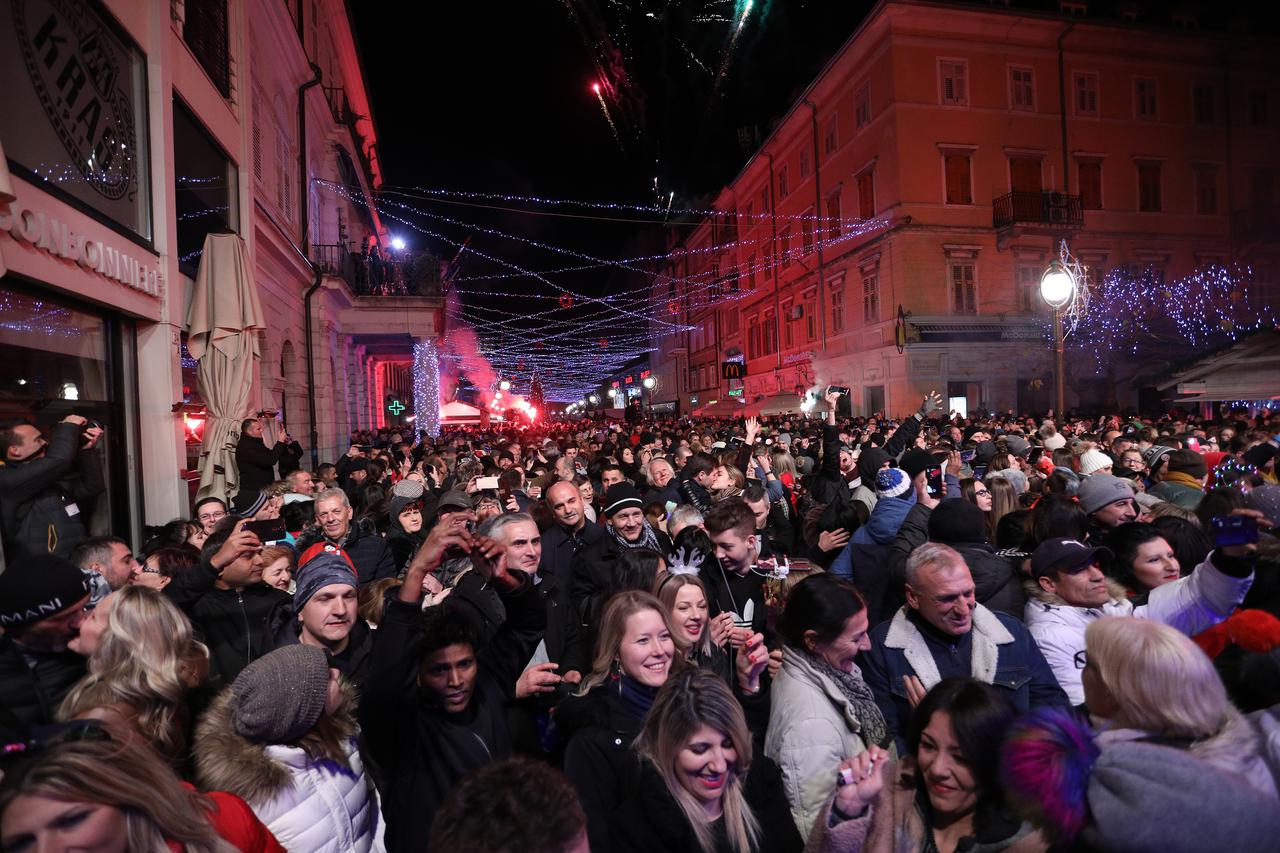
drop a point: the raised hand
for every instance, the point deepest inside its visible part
(239, 542)
(430, 555)
(752, 659)
(489, 558)
(753, 429)
(721, 629)
(932, 403)
(539, 678)
(863, 780)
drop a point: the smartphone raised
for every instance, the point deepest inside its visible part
(837, 389)
(268, 530)
(486, 484)
(979, 471)
(967, 455)
(1231, 530)
(933, 479)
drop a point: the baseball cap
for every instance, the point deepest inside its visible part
(1053, 555)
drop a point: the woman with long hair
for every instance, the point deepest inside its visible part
(143, 661)
(1142, 559)
(635, 651)
(284, 739)
(83, 791)
(822, 710)
(1148, 681)
(701, 639)
(1004, 500)
(701, 788)
(727, 482)
(944, 795)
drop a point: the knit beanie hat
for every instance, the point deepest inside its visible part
(35, 588)
(1055, 441)
(955, 521)
(1094, 460)
(322, 570)
(1101, 490)
(621, 496)
(870, 461)
(1187, 462)
(280, 696)
(1154, 455)
(1260, 454)
(915, 461)
(984, 452)
(404, 493)
(891, 483)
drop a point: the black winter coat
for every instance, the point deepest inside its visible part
(421, 751)
(369, 552)
(650, 821)
(559, 550)
(256, 464)
(996, 582)
(30, 695)
(40, 511)
(593, 574)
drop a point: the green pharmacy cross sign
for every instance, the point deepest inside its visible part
(395, 407)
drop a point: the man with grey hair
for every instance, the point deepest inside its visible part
(368, 551)
(942, 632)
(660, 475)
(685, 515)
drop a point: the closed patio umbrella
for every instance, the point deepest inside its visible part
(6, 196)
(223, 325)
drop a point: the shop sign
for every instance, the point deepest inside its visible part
(797, 357)
(735, 392)
(732, 370)
(44, 232)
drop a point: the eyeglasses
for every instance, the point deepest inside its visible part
(1081, 659)
(982, 491)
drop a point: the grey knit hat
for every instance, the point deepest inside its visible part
(280, 696)
(1102, 490)
(324, 569)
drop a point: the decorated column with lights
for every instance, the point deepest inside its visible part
(426, 387)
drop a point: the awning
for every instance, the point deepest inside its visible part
(222, 327)
(456, 413)
(1247, 370)
(726, 408)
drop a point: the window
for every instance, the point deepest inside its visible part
(1258, 103)
(867, 194)
(810, 317)
(1149, 200)
(783, 190)
(1028, 282)
(805, 168)
(749, 214)
(806, 231)
(871, 295)
(716, 285)
(953, 83)
(769, 334)
(205, 197)
(959, 187)
(1261, 187)
(1206, 186)
(833, 215)
(788, 325)
(764, 200)
(1024, 174)
(784, 247)
(1202, 103)
(1022, 89)
(862, 106)
(837, 306)
(204, 29)
(1144, 98)
(1086, 89)
(750, 272)
(753, 336)
(1089, 176)
(732, 319)
(964, 292)
(831, 136)
(1148, 187)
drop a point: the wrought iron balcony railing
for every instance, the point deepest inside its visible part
(1054, 210)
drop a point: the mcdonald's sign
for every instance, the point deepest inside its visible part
(732, 370)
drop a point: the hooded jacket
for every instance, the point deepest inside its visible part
(1191, 604)
(885, 520)
(308, 804)
(812, 728)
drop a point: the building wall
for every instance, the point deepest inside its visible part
(877, 109)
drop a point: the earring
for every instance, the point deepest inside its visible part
(615, 671)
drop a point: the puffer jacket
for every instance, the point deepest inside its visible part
(885, 520)
(309, 805)
(1200, 600)
(812, 728)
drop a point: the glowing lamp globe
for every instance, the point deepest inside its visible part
(1057, 285)
(595, 399)
(505, 385)
(649, 382)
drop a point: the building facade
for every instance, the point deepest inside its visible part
(132, 130)
(891, 232)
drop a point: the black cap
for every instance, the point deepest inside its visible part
(621, 496)
(1053, 555)
(914, 461)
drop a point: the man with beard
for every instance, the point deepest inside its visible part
(42, 603)
(595, 566)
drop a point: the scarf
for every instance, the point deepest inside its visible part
(1178, 478)
(648, 539)
(874, 728)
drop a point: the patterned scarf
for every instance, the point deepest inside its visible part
(874, 728)
(648, 539)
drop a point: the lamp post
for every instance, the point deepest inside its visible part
(1058, 288)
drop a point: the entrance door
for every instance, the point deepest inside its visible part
(873, 395)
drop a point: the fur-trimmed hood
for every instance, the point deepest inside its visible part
(227, 761)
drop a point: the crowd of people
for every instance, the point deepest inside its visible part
(930, 633)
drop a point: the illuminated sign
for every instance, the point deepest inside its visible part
(395, 407)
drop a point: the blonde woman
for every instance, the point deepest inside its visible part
(1147, 681)
(701, 788)
(143, 660)
(701, 638)
(83, 791)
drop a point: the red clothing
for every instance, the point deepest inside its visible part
(236, 824)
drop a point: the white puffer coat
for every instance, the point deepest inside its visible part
(310, 806)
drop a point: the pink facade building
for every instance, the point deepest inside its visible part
(931, 169)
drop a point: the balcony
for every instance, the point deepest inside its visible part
(392, 274)
(1037, 212)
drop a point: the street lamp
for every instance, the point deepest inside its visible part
(594, 399)
(1058, 288)
(504, 385)
(649, 383)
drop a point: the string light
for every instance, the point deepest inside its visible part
(426, 387)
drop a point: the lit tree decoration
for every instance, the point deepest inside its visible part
(426, 387)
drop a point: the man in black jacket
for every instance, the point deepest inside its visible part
(434, 703)
(42, 601)
(255, 462)
(43, 483)
(325, 614)
(233, 611)
(560, 546)
(368, 551)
